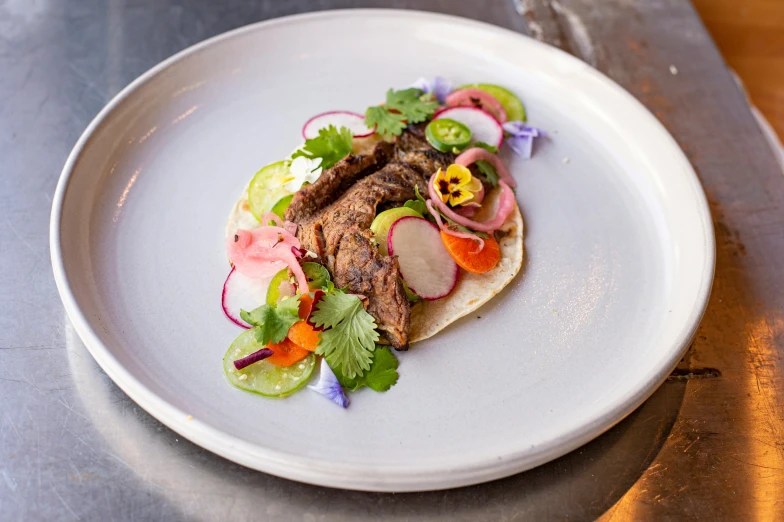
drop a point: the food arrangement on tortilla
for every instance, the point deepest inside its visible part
(378, 232)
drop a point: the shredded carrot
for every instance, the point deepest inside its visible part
(305, 304)
(304, 335)
(286, 353)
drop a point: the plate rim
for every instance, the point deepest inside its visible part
(346, 475)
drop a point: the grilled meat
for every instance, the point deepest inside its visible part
(312, 198)
(334, 216)
(391, 186)
(359, 266)
(413, 149)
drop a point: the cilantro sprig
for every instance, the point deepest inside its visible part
(272, 322)
(350, 336)
(401, 108)
(381, 376)
(488, 170)
(331, 145)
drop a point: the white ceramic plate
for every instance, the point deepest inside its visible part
(619, 254)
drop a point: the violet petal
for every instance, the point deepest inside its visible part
(441, 87)
(438, 86)
(329, 386)
(513, 127)
(519, 128)
(422, 84)
(252, 358)
(522, 145)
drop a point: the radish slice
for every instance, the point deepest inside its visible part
(484, 127)
(351, 120)
(477, 98)
(242, 293)
(426, 266)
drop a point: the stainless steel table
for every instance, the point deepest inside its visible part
(708, 445)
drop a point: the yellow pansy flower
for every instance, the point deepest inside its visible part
(456, 186)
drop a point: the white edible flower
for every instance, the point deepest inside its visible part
(302, 170)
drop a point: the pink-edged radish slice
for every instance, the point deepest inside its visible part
(426, 266)
(477, 98)
(242, 293)
(484, 127)
(351, 120)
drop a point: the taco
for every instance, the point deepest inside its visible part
(384, 230)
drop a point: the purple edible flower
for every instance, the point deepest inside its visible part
(521, 137)
(252, 358)
(439, 87)
(329, 386)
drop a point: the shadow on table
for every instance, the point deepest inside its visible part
(189, 482)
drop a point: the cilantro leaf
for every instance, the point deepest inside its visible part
(272, 322)
(401, 108)
(387, 123)
(331, 145)
(410, 105)
(349, 340)
(483, 145)
(488, 170)
(383, 372)
(381, 376)
(417, 205)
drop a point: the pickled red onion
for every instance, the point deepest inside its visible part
(271, 217)
(505, 207)
(258, 253)
(455, 233)
(475, 154)
(466, 97)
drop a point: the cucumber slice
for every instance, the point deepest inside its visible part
(280, 207)
(266, 188)
(512, 104)
(381, 224)
(317, 275)
(262, 377)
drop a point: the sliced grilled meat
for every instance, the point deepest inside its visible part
(334, 216)
(393, 185)
(412, 138)
(355, 261)
(412, 148)
(359, 266)
(312, 198)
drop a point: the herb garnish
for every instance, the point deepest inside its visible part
(331, 145)
(350, 336)
(488, 170)
(401, 108)
(381, 376)
(272, 322)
